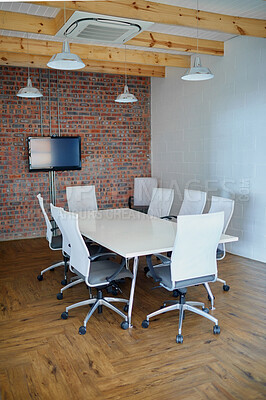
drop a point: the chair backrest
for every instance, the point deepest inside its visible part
(57, 216)
(81, 198)
(143, 188)
(161, 202)
(193, 203)
(49, 232)
(225, 205)
(79, 257)
(194, 253)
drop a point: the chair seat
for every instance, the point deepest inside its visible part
(100, 270)
(164, 274)
(56, 242)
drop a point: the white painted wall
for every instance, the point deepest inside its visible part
(211, 135)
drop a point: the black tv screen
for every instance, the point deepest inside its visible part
(54, 153)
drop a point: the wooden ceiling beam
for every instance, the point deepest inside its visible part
(91, 52)
(60, 19)
(28, 23)
(36, 61)
(48, 26)
(167, 14)
(33, 23)
(179, 43)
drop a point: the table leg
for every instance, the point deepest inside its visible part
(133, 284)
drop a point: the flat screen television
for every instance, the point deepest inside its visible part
(54, 153)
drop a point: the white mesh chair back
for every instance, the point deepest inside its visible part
(194, 253)
(79, 257)
(81, 198)
(57, 216)
(193, 203)
(161, 202)
(227, 206)
(143, 188)
(49, 233)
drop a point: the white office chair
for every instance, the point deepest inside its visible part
(227, 206)
(200, 233)
(66, 248)
(161, 202)
(143, 188)
(98, 274)
(55, 242)
(81, 198)
(193, 203)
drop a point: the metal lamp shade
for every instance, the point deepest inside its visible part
(197, 72)
(126, 97)
(29, 91)
(66, 60)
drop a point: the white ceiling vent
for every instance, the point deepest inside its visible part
(99, 28)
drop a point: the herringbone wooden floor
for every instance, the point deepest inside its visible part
(44, 357)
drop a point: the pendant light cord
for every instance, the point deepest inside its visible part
(28, 56)
(197, 28)
(125, 67)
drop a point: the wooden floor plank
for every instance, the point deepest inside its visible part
(44, 357)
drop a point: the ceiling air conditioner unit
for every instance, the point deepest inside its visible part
(97, 28)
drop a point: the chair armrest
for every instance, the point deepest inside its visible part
(130, 199)
(151, 269)
(165, 260)
(54, 226)
(112, 277)
(95, 256)
(169, 217)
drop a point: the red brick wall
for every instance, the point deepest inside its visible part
(115, 141)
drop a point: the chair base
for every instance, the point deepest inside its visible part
(64, 263)
(97, 303)
(182, 306)
(59, 264)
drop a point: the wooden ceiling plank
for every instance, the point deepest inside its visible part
(167, 14)
(179, 43)
(36, 61)
(91, 52)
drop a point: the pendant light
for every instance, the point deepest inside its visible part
(126, 96)
(65, 60)
(29, 91)
(197, 72)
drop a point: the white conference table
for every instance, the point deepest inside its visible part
(131, 234)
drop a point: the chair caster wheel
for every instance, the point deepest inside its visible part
(206, 310)
(226, 288)
(146, 269)
(82, 330)
(40, 277)
(64, 315)
(179, 339)
(126, 308)
(124, 325)
(52, 269)
(175, 293)
(64, 282)
(59, 296)
(216, 329)
(145, 324)
(209, 298)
